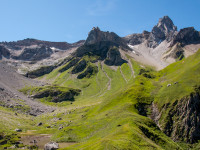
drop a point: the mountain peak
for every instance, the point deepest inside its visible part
(96, 35)
(164, 30)
(166, 24)
(96, 29)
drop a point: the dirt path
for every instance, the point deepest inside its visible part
(109, 82)
(123, 75)
(130, 65)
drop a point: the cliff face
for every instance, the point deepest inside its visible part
(164, 30)
(186, 36)
(4, 52)
(99, 43)
(34, 54)
(182, 121)
(96, 35)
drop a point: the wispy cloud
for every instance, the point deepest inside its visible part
(101, 7)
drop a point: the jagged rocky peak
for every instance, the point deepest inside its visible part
(186, 36)
(100, 43)
(166, 25)
(164, 30)
(96, 35)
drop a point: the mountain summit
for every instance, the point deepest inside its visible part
(164, 30)
(104, 45)
(96, 36)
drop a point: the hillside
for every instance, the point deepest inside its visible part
(141, 91)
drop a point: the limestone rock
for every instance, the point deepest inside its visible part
(164, 30)
(186, 36)
(34, 54)
(114, 57)
(51, 146)
(99, 42)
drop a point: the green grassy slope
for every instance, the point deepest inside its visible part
(186, 72)
(107, 118)
(107, 113)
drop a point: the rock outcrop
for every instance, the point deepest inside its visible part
(56, 94)
(164, 30)
(39, 72)
(182, 122)
(99, 43)
(34, 54)
(176, 52)
(69, 64)
(114, 58)
(96, 35)
(51, 146)
(79, 67)
(91, 70)
(186, 36)
(4, 52)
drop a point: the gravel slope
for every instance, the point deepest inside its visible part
(10, 83)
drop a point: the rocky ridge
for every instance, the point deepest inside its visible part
(99, 43)
(159, 47)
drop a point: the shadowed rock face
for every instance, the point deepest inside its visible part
(99, 43)
(114, 58)
(164, 30)
(35, 54)
(183, 119)
(186, 36)
(4, 52)
(96, 36)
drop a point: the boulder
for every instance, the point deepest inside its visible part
(39, 124)
(51, 146)
(18, 130)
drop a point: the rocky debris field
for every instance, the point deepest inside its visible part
(10, 83)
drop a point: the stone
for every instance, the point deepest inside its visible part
(18, 130)
(51, 146)
(168, 85)
(114, 57)
(39, 124)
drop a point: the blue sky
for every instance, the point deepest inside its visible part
(71, 20)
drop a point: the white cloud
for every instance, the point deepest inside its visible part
(101, 7)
